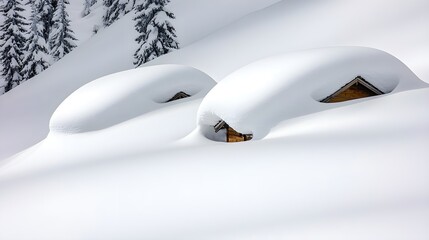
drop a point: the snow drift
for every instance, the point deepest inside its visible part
(360, 170)
(118, 97)
(256, 97)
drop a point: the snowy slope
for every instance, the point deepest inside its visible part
(83, 26)
(401, 30)
(356, 171)
(192, 23)
(395, 27)
(27, 109)
(367, 172)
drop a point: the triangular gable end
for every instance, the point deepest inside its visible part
(179, 95)
(355, 89)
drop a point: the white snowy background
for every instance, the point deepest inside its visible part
(358, 170)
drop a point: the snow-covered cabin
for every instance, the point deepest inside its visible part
(230, 134)
(116, 98)
(249, 102)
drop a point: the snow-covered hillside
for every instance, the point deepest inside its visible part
(31, 105)
(115, 164)
(359, 171)
(393, 26)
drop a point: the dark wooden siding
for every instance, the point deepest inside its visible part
(178, 96)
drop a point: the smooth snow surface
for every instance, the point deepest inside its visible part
(119, 97)
(355, 172)
(358, 170)
(258, 96)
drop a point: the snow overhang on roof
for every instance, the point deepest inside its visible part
(258, 96)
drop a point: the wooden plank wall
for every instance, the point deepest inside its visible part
(354, 92)
(233, 136)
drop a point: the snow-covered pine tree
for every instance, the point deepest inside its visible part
(115, 9)
(87, 7)
(157, 34)
(36, 50)
(130, 5)
(12, 40)
(61, 38)
(45, 9)
(107, 4)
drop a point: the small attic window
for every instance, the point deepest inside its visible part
(357, 88)
(231, 134)
(178, 95)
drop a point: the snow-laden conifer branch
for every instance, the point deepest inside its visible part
(157, 35)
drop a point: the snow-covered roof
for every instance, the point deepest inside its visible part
(258, 96)
(118, 97)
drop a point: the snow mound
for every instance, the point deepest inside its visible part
(258, 96)
(116, 98)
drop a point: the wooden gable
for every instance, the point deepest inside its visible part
(357, 88)
(178, 95)
(231, 134)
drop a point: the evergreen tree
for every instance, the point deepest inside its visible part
(36, 51)
(106, 16)
(87, 7)
(157, 34)
(115, 9)
(12, 40)
(61, 40)
(45, 9)
(129, 6)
